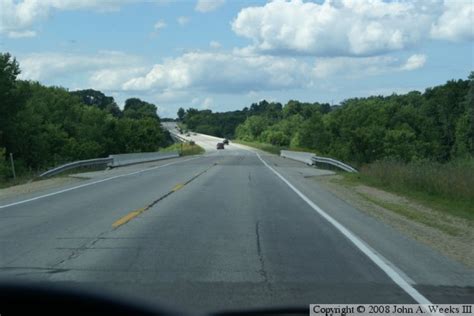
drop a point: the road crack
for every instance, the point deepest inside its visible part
(262, 271)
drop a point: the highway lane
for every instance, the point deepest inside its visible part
(233, 236)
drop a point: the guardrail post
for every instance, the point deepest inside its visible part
(13, 166)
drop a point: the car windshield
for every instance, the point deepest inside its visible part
(216, 155)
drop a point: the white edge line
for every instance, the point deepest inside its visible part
(392, 274)
(92, 183)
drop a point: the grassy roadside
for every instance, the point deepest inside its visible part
(24, 178)
(185, 149)
(33, 177)
(273, 149)
(448, 188)
(182, 127)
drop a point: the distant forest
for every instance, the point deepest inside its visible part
(436, 125)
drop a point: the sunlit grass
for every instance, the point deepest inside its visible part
(185, 149)
(273, 149)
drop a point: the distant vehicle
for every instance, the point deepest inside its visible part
(220, 146)
(226, 141)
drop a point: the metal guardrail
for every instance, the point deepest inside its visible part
(112, 161)
(311, 159)
(180, 139)
(177, 137)
(77, 164)
(298, 156)
(334, 162)
(130, 159)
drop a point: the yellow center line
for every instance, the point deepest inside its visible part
(177, 187)
(137, 212)
(127, 218)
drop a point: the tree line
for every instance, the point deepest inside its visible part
(46, 126)
(436, 125)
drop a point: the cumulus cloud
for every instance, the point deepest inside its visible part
(348, 27)
(222, 72)
(111, 78)
(414, 62)
(18, 16)
(105, 70)
(208, 5)
(456, 22)
(364, 66)
(202, 72)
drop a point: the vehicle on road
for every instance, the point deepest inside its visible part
(220, 146)
(226, 141)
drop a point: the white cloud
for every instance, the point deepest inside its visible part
(159, 25)
(214, 44)
(414, 62)
(209, 72)
(21, 34)
(183, 20)
(207, 103)
(111, 79)
(352, 67)
(223, 72)
(208, 5)
(350, 27)
(19, 16)
(105, 70)
(456, 22)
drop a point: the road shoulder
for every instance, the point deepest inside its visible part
(450, 235)
(423, 265)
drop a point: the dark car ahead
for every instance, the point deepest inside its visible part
(226, 141)
(220, 146)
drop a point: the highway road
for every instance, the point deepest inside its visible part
(234, 228)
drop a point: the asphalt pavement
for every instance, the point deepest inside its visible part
(233, 228)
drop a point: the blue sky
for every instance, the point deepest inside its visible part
(224, 55)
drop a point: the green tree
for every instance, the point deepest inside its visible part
(181, 114)
(464, 135)
(98, 99)
(136, 109)
(9, 98)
